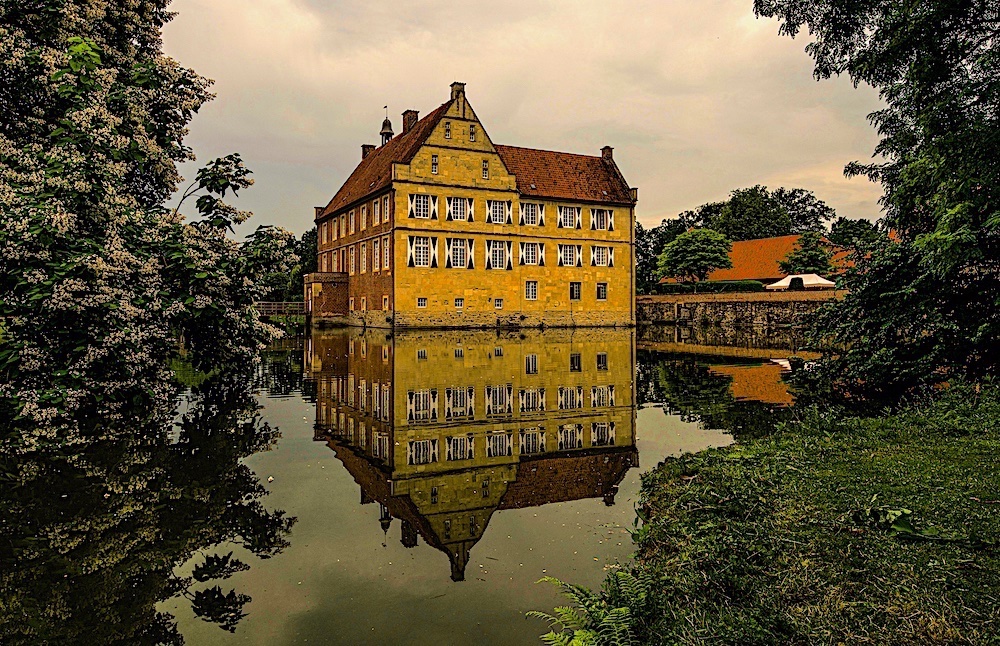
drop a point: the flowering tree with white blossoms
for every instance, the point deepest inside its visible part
(99, 279)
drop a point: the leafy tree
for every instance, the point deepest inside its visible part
(854, 234)
(807, 212)
(811, 255)
(649, 244)
(752, 213)
(924, 306)
(99, 276)
(693, 255)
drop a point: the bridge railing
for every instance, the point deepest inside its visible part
(280, 308)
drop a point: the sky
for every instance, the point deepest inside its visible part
(697, 97)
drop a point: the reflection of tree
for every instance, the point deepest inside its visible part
(686, 386)
(94, 531)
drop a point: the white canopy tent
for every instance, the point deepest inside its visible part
(809, 281)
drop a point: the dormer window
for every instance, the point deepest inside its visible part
(447, 129)
(472, 132)
(434, 164)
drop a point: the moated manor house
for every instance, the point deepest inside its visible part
(440, 227)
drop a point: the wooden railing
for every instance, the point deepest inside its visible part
(280, 308)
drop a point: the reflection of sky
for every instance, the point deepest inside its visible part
(698, 98)
(337, 583)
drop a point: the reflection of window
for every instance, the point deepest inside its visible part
(422, 452)
(423, 405)
(531, 364)
(460, 448)
(499, 445)
(498, 400)
(570, 437)
(570, 397)
(601, 396)
(602, 434)
(532, 399)
(458, 400)
(532, 441)
(574, 362)
(602, 360)
(380, 446)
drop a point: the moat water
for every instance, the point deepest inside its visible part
(433, 479)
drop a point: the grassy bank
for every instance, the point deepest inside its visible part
(834, 530)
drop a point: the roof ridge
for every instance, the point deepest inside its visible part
(546, 150)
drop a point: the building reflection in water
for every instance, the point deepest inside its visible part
(443, 428)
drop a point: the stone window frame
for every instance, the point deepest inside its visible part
(531, 290)
(602, 292)
(575, 290)
(486, 169)
(419, 249)
(447, 129)
(434, 164)
(472, 132)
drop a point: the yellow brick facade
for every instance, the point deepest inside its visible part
(449, 165)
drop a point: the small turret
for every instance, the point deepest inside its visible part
(386, 131)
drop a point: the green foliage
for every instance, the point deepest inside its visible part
(811, 255)
(649, 244)
(928, 306)
(835, 529)
(756, 212)
(618, 615)
(854, 234)
(712, 287)
(693, 255)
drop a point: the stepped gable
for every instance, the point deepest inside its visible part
(374, 173)
(565, 176)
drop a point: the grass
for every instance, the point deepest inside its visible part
(835, 530)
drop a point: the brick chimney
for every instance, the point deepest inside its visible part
(409, 120)
(367, 149)
(457, 90)
(606, 153)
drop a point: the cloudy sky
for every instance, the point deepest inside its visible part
(698, 97)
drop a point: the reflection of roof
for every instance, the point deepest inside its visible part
(566, 176)
(374, 173)
(566, 477)
(756, 383)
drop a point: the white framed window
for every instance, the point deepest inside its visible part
(499, 444)
(364, 217)
(460, 448)
(459, 254)
(486, 169)
(531, 364)
(353, 260)
(532, 400)
(421, 251)
(385, 252)
(343, 225)
(386, 395)
(570, 437)
(434, 164)
(602, 434)
(459, 303)
(497, 251)
(376, 255)
(496, 212)
(498, 303)
(385, 208)
(472, 132)
(350, 219)
(422, 206)
(600, 219)
(531, 290)
(602, 396)
(421, 301)
(530, 214)
(531, 253)
(602, 361)
(364, 257)
(447, 129)
(459, 208)
(376, 216)
(601, 255)
(602, 291)
(322, 230)
(532, 441)
(567, 255)
(422, 452)
(568, 216)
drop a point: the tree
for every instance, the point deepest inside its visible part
(926, 306)
(807, 212)
(100, 278)
(811, 255)
(649, 244)
(854, 234)
(756, 212)
(695, 254)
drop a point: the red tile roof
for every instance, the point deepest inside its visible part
(374, 173)
(757, 259)
(565, 176)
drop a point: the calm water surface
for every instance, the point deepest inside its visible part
(435, 477)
